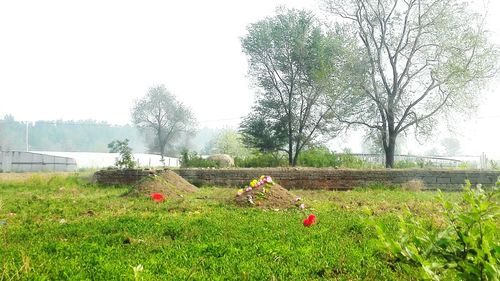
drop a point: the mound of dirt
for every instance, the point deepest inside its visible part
(165, 182)
(276, 197)
(178, 181)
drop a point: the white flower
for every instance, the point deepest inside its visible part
(250, 199)
(138, 268)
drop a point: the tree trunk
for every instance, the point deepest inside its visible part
(290, 145)
(161, 146)
(389, 151)
(295, 157)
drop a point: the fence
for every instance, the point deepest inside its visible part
(477, 162)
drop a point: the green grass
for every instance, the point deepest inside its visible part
(63, 228)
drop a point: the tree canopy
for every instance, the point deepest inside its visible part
(425, 58)
(292, 63)
(162, 119)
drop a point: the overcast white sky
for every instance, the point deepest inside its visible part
(76, 60)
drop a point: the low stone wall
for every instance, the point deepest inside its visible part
(311, 178)
(121, 177)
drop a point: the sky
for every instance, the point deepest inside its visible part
(76, 60)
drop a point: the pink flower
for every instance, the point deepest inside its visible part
(248, 188)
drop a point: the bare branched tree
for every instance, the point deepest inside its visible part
(425, 58)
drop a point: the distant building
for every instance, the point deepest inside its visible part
(97, 160)
(20, 161)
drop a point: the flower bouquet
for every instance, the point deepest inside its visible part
(257, 190)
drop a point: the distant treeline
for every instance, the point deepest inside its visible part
(85, 135)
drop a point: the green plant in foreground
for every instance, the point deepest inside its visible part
(466, 248)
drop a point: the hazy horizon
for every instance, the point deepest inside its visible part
(90, 60)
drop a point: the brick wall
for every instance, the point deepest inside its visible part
(120, 177)
(310, 178)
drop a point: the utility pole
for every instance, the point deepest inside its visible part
(27, 137)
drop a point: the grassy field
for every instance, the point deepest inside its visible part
(64, 228)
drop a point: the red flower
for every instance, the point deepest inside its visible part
(157, 197)
(310, 220)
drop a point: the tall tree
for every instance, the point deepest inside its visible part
(159, 114)
(426, 58)
(291, 61)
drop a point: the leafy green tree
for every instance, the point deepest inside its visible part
(162, 119)
(292, 62)
(425, 58)
(230, 142)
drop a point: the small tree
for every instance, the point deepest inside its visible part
(230, 142)
(126, 159)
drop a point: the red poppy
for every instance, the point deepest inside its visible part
(310, 220)
(157, 197)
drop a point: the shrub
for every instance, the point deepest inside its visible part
(419, 163)
(261, 160)
(126, 159)
(193, 160)
(319, 157)
(347, 160)
(466, 248)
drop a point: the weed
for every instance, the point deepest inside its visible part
(466, 247)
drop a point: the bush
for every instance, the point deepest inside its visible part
(466, 248)
(126, 159)
(261, 160)
(347, 160)
(419, 163)
(319, 157)
(193, 160)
